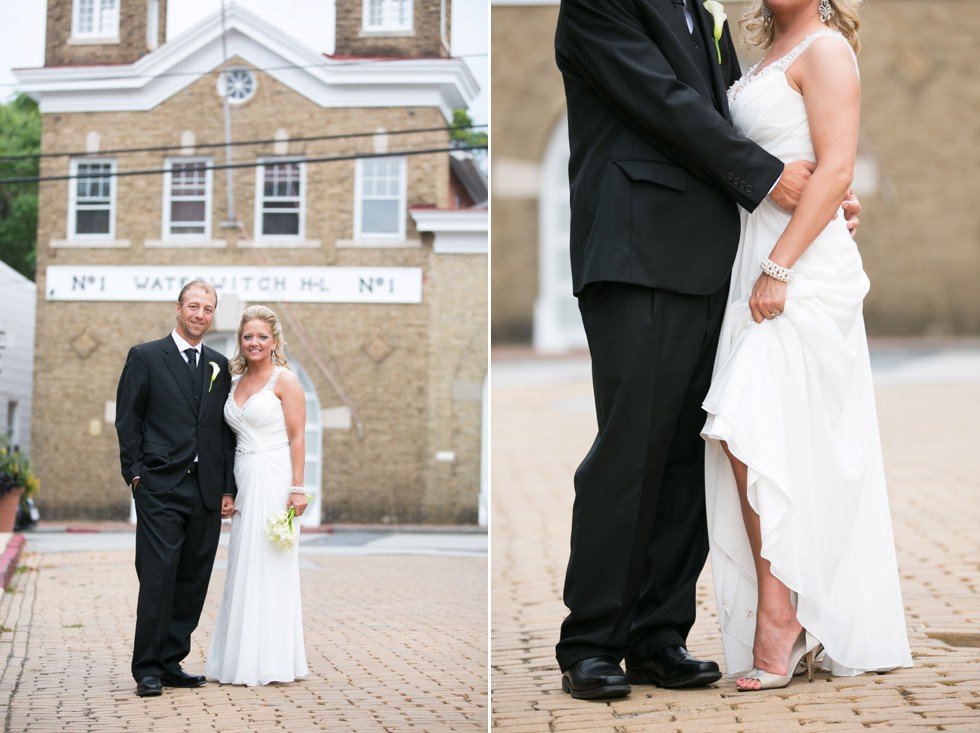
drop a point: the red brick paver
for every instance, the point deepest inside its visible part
(540, 432)
(394, 643)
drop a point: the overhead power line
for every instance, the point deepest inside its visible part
(251, 164)
(269, 141)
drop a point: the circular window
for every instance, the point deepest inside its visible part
(237, 82)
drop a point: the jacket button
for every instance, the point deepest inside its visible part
(730, 175)
(748, 189)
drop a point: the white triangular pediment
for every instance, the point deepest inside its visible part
(328, 82)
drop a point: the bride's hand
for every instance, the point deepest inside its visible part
(298, 503)
(768, 298)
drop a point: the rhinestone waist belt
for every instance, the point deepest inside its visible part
(239, 451)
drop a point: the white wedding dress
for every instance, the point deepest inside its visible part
(793, 399)
(258, 637)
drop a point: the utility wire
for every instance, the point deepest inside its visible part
(253, 164)
(270, 141)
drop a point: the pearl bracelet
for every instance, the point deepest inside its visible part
(776, 272)
(297, 490)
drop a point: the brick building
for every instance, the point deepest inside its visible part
(325, 206)
(920, 138)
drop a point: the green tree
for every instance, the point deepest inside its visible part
(20, 134)
(463, 132)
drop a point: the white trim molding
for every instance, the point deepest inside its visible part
(443, 83)
(455, 231)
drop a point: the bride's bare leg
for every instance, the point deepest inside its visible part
(776, 627)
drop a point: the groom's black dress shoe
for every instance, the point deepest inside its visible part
(595, 678)
(181, 679)
(148, 686)
(673, 667)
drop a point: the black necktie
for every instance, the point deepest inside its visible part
(192, 365)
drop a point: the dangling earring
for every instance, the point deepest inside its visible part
(766, 14)
(275, 359)
(826, 11)
(241, 359)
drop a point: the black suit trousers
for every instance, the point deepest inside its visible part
(639, 531)
(176, 541)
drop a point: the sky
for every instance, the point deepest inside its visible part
(22, 33)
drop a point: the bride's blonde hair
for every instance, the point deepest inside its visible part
(259, 313)
(756, 33)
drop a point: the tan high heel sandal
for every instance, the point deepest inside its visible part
(805, 649)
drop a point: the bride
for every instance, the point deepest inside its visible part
(801, 542)
(258, 637)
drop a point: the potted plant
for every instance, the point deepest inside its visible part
(16, 480)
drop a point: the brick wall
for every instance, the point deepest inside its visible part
(426, 38)
(520, 133)
(383, 475)
(920, 139)
(61, 50)
(457, 369)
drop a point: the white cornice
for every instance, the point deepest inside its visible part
(328, 82)
(456, 231)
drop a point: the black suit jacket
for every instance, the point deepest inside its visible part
(656, 168)
(160, 429)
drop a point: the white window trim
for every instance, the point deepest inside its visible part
(153, 24)
(368, 30)
(271, 239)
(73, 201)
(166, 234)
(398, 236)
(78, 36)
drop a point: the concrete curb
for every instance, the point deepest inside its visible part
(8, 560)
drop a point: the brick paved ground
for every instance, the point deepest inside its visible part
(542, 426)
(394, 643)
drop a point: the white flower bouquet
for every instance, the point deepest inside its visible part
(281, 531)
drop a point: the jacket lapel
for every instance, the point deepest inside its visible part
(704, 24)
(207, 356)
(673, 13)
(178, 369)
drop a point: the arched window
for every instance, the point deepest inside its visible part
(557, 323)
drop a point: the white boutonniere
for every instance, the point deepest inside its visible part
(718, 13)
(215, 370)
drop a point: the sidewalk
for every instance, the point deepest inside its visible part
(543, 424)
(395, 630)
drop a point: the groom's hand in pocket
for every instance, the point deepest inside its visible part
(227, 506)
(789, 187)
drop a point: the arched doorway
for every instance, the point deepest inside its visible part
(557, 323)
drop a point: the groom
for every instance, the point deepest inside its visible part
(177, 457)
(656, 171)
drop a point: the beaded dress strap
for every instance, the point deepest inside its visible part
(784, 62)
(272, 379)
